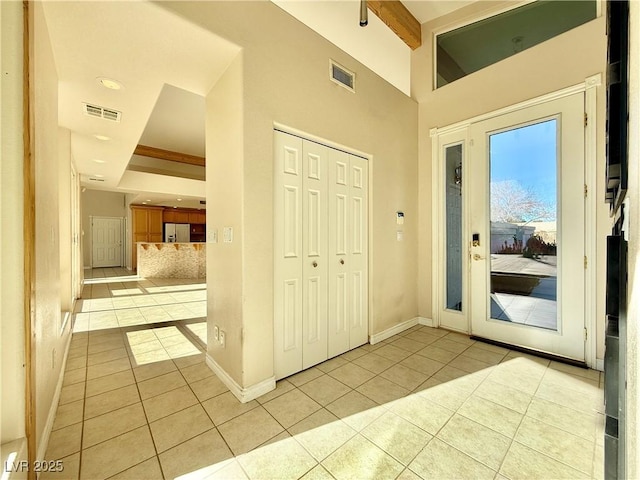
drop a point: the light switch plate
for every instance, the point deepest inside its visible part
(228, 234)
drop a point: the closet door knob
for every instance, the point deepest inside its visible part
(315, 264)
(342, 261)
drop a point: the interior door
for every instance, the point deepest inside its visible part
(358, 251)
(301, 264)
(320, 253)
(314, 248)
(106, 236)
(287, 254)
(348, 237)
(526, 219)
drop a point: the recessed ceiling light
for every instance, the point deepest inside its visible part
(109, 83)
(97, 160)
(175, 206)
(103, 138)
(179, 199)
(97, 175)
(148, 200)
(144, 203)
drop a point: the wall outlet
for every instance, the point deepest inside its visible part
(216, 332)
(222, 338)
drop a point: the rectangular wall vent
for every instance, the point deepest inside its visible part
(93, 179)
(342, 76)
(101, 112)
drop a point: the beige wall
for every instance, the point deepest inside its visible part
(633, 312)
(64, 215)
(285, 78)
(98, 203)
(12, 374)
(562, 62)
(50, 341)
(225, 189)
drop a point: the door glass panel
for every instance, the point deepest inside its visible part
(524, 206)
(453, 167)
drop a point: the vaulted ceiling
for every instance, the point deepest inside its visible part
(165, 67)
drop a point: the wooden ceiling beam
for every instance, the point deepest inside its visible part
(396, 16)
(146, 151)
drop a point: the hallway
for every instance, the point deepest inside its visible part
(138, 402)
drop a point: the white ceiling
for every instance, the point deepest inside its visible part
(144, 48)
(166, 66)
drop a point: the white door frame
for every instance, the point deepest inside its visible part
(589, 87)
(122, 235)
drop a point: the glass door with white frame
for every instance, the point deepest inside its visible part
(452, 243)
(526, 227)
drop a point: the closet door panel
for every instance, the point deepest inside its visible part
(314, 248)
(358, 259)
(339, 235)
(288, 253)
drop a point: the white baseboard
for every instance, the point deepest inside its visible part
(390, 332)
(427, 322)
(44, 440)
(245, 395)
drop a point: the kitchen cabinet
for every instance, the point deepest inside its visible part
(180, 215)
(146, 227)
(169, 215)
(197, 217)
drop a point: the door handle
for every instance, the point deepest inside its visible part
(477, 256)
(342, 261)
(315, 264)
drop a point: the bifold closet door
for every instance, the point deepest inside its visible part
(320, 253)
(348, 260)
(300, 266)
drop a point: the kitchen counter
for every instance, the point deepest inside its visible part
(171, 260)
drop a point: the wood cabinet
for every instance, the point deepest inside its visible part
(146, 227)
(180, 215)
(197, 217)
(169, 215)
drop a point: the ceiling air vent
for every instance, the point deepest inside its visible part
(342, 76)
(203, 202)
(101, 112)
(93, 179)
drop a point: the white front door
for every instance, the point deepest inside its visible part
(106, 238)
(526, 227)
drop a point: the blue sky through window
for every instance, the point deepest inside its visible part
(527, 155)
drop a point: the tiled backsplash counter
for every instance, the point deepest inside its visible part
(172, 260)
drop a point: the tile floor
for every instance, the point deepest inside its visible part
(138, 402)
